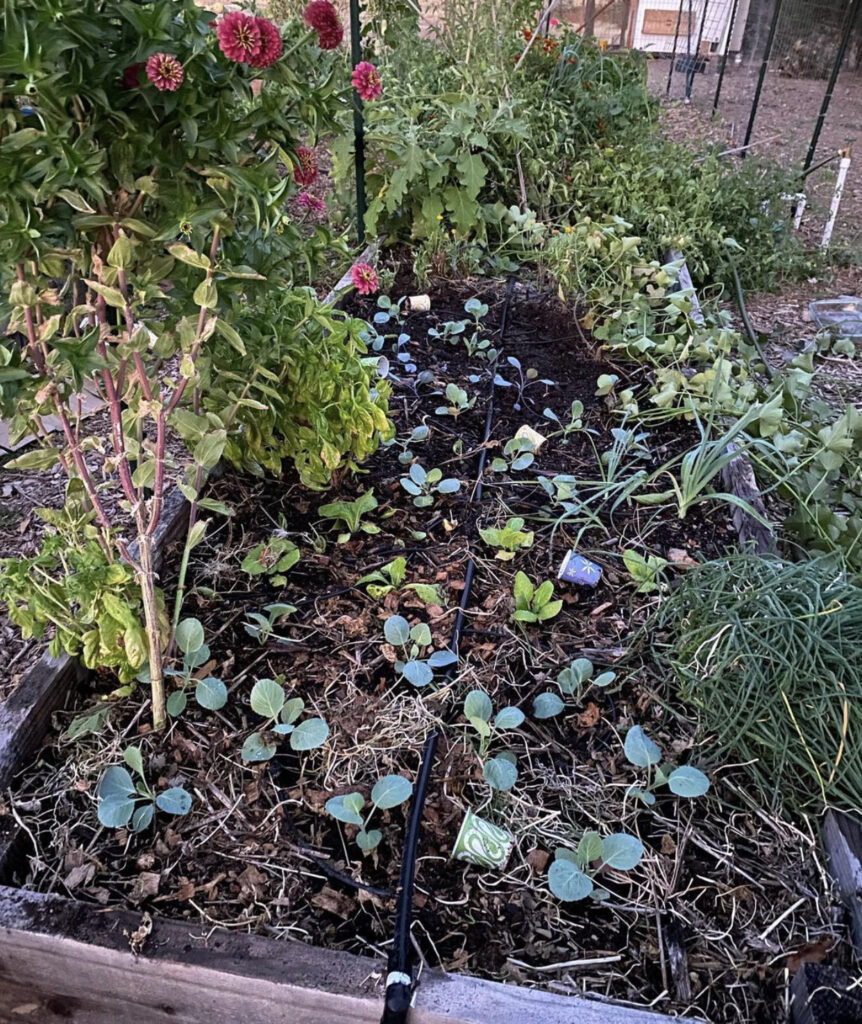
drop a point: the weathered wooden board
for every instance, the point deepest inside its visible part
(61, 960)
(663, 23)
(842, 838)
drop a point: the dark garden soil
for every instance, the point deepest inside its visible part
(737, 889)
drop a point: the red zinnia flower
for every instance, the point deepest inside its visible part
(270, 44)
(239, 37)
(364, 278)
(323, 18)
(306, 170)
(131, 76)
(165, 72)
(366, 80)
(312, 203)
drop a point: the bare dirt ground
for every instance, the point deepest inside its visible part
(785, 121)
(786, 116)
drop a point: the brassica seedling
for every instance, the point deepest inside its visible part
(268, 700)
(388, 792)
(125, 804)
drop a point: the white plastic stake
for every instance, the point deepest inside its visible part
(836, 198)
(801, 201)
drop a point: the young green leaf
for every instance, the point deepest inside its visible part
(688, 782)
(546, 705)
(396, 629)
(500, 773)
(267, 698)
(211, 693)
(390, 791)
(347, 808)
(174, 801)
(567, 882)
(477, 704)
(190, 635)
(308, 735)
(622, 851)
(640, 749)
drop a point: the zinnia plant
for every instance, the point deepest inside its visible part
(321, 16)
(364, 278)
(366, 81)
(132, 192)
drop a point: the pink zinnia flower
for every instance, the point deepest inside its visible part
(165, 72)
(131, 76)
(366, 80)
(311, 202)
(270, 44)
(239, 37)
(364, 278)
(305, 171)
(323, 18)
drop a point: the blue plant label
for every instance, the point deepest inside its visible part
(577, 569)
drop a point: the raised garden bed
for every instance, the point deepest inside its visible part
(704, 924)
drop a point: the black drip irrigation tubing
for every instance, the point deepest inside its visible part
(399, 979)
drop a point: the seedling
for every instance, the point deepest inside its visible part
(424, 485)
(391, 576)
(412, 641)
(388, 792)
(511, 539)
(210, 693)
(684, 781)
(126, 804)
(571, 874)
(518, 454)
(272, 558)
(459, 401)
(575, 423)
(449, 331)
(644, 570)
(476, 345)
(390, 310)
(570, 680)
(419, 434)
(350, 513)
(262, 627)
(523, 380)
(534, 603)
(269, 701)
(500, 771)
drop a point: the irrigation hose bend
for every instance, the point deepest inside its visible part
(399, 978)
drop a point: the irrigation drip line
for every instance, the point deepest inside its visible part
(399, 978)
(746, 320)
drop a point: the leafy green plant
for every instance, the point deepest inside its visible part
(641, 751)
(210, 693)
(518, 454)
(272, 558)
(146, 157)
(424, 485)
(388, 792)
(412, 641)
(534, 603)
(417, 435)
(350, 514)
(509, 540)
(572, 872)
(268, 700)
(262, 627)
(391, 577)
(644, 570)
(575, 423)
(90, 597)
(458, 401)
(123, 803)
(523, 380)
(570, 681)
(500, 771)
(769, 654)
